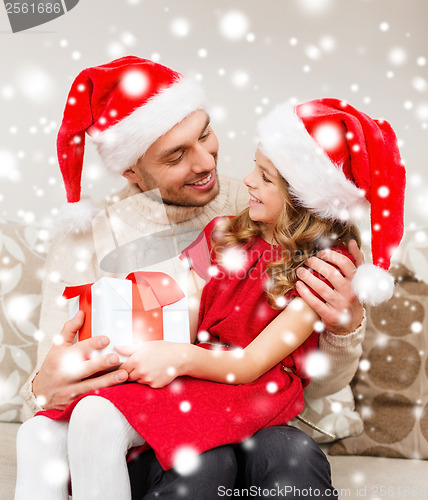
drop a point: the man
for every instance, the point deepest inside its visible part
(150, 127)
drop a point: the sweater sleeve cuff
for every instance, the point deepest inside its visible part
(351, 339)
(31, 403)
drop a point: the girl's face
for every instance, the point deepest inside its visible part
(266, 196)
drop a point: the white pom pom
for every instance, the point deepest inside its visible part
(77, 217)
(372, 285)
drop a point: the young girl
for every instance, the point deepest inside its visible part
(248, 370)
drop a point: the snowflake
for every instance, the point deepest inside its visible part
(358, 477)
(313, 52)
(185, 406)
(336, 407)
(364, 365)
(397, 56)
(314, 6)
(240, 79)
(128, 39)
(203, 336)
(234, 25)
(71, 363)
(233, 259)
(55, 472)
(218, 113)
(180, 27)
(319, 326)
(416, 327)
(272, 387)
(327, 43)
(249, 444)
(419, 84)
(134, 83)
(317, 364)
(8, 168)
(289, 338)
(186, 460)
(36, 84)
(328, 137)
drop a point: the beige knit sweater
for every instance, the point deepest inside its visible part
(125, 218)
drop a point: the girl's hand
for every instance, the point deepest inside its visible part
(156, 363)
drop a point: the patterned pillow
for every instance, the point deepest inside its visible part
(391, 385)
(334, 413)
(413, 252)
(23, 251)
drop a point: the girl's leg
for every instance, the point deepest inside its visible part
(99, 438)
(42, 460)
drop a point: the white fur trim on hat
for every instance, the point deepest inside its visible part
(372, 285)
(314, 180)
(121, 145)
(77, 217)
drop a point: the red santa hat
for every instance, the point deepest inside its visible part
(124, 106)
(336, 159)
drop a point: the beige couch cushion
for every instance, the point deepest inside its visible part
(7, 459)
(413, 252)
(375, 478)
(391, 386)
(23, 251)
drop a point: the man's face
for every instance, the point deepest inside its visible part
(181, 164)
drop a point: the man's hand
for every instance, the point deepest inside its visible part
(156, 363)
(64, 373)
(341, 313)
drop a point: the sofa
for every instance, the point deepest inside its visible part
(380, 421)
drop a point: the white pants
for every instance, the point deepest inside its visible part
(92, 448)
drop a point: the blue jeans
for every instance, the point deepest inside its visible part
(276, 462)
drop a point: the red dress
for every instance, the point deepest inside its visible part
(234, 310)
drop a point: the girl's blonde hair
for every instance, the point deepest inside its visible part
(297, 231)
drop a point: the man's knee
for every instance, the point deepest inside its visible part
(284, 443)
(283, 456)
(217, 468)
(220, 460)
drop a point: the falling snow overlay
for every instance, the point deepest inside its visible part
(248, 57)
(299, 50)
(196, 414)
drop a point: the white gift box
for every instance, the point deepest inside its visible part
(144, 306)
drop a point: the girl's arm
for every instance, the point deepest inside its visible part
(159, 363)
(279, 339)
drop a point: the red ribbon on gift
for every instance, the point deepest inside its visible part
(85, 304)
(150, 292)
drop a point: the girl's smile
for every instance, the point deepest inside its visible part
(254, 200)
(264, 187)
